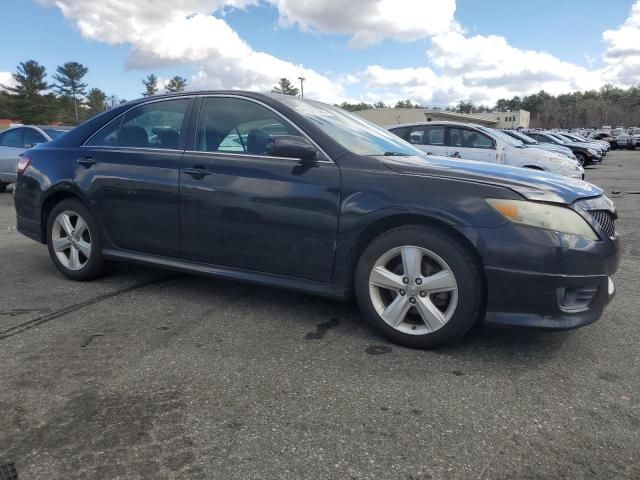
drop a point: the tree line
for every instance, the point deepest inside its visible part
(590, 109)
(32, 99)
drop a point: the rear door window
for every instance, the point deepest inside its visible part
(32, 138)
(465, 138)
(154, 125)
(427, 135)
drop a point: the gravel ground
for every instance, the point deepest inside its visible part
(152, 374)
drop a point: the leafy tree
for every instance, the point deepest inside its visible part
(379, 105)
(285, 86)
(96, 102)
(176, 84)
(150, 83)
(28, 103)
(354, 107)
(406, 104)
(69, 82)
(464, 107)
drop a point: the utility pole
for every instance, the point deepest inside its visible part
(302, 79)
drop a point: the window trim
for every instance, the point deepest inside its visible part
(190, 140)
(188, 113)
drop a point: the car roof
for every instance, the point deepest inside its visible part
(433, 122)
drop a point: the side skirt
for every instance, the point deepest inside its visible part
(329, 290)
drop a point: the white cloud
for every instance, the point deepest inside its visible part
(370, 21)
(164, 33)
(622, 55)
(6, 80)
(457, 65)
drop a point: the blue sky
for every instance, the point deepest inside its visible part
(488, 50)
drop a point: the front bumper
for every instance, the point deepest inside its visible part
(543, 279)
(535, 300)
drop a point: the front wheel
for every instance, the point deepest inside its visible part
(74, 241)
(3, 187)
(419, 286)
(582, 160)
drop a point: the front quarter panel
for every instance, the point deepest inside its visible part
(376, 195)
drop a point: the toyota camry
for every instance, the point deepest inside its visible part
(293, 193)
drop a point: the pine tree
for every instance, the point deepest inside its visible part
(150, 83)
(96, 101)
(285, 86)
(176, 84)
(69, 82)
(28, 102)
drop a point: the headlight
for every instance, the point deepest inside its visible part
(540, 215)
(592, 151)
(556, 159)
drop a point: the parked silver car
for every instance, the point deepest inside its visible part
(16, 140)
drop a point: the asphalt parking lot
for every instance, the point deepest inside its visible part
(152, 374)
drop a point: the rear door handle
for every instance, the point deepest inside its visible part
(198, 172)
(86, 162)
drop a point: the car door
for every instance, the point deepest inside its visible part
(471, 144)
(130, 173)
(245, 209)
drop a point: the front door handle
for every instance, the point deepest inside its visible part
(198, 172)
(86, 162)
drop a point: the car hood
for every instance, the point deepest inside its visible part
(584, 145)
(532, 184)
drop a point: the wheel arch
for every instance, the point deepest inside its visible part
(382, 225)
(51, 200)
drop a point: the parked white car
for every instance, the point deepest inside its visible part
(16, 140)
(475, 142)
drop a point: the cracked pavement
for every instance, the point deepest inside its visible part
(152, 374)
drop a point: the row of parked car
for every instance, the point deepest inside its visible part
(628, 138)
(559, 153)
(562, 153)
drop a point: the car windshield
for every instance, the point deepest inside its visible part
(503, 136)
(524, 138)
(54, 132)
(558, 138)
(352, 132)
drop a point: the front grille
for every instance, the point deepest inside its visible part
(606, 220)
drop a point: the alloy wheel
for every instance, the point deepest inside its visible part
(71, 240)
(413, 290)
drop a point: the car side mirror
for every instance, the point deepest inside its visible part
(291, 146)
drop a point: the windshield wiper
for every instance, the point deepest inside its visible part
(395, 154)
(388, 154)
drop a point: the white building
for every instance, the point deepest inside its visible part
(392, 116)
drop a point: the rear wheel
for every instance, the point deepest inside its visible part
(74, 241)
(3, 187)
(419, 286)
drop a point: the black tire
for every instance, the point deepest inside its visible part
(582, 160)
(466, 269)
(3, 187)
(95, 265)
